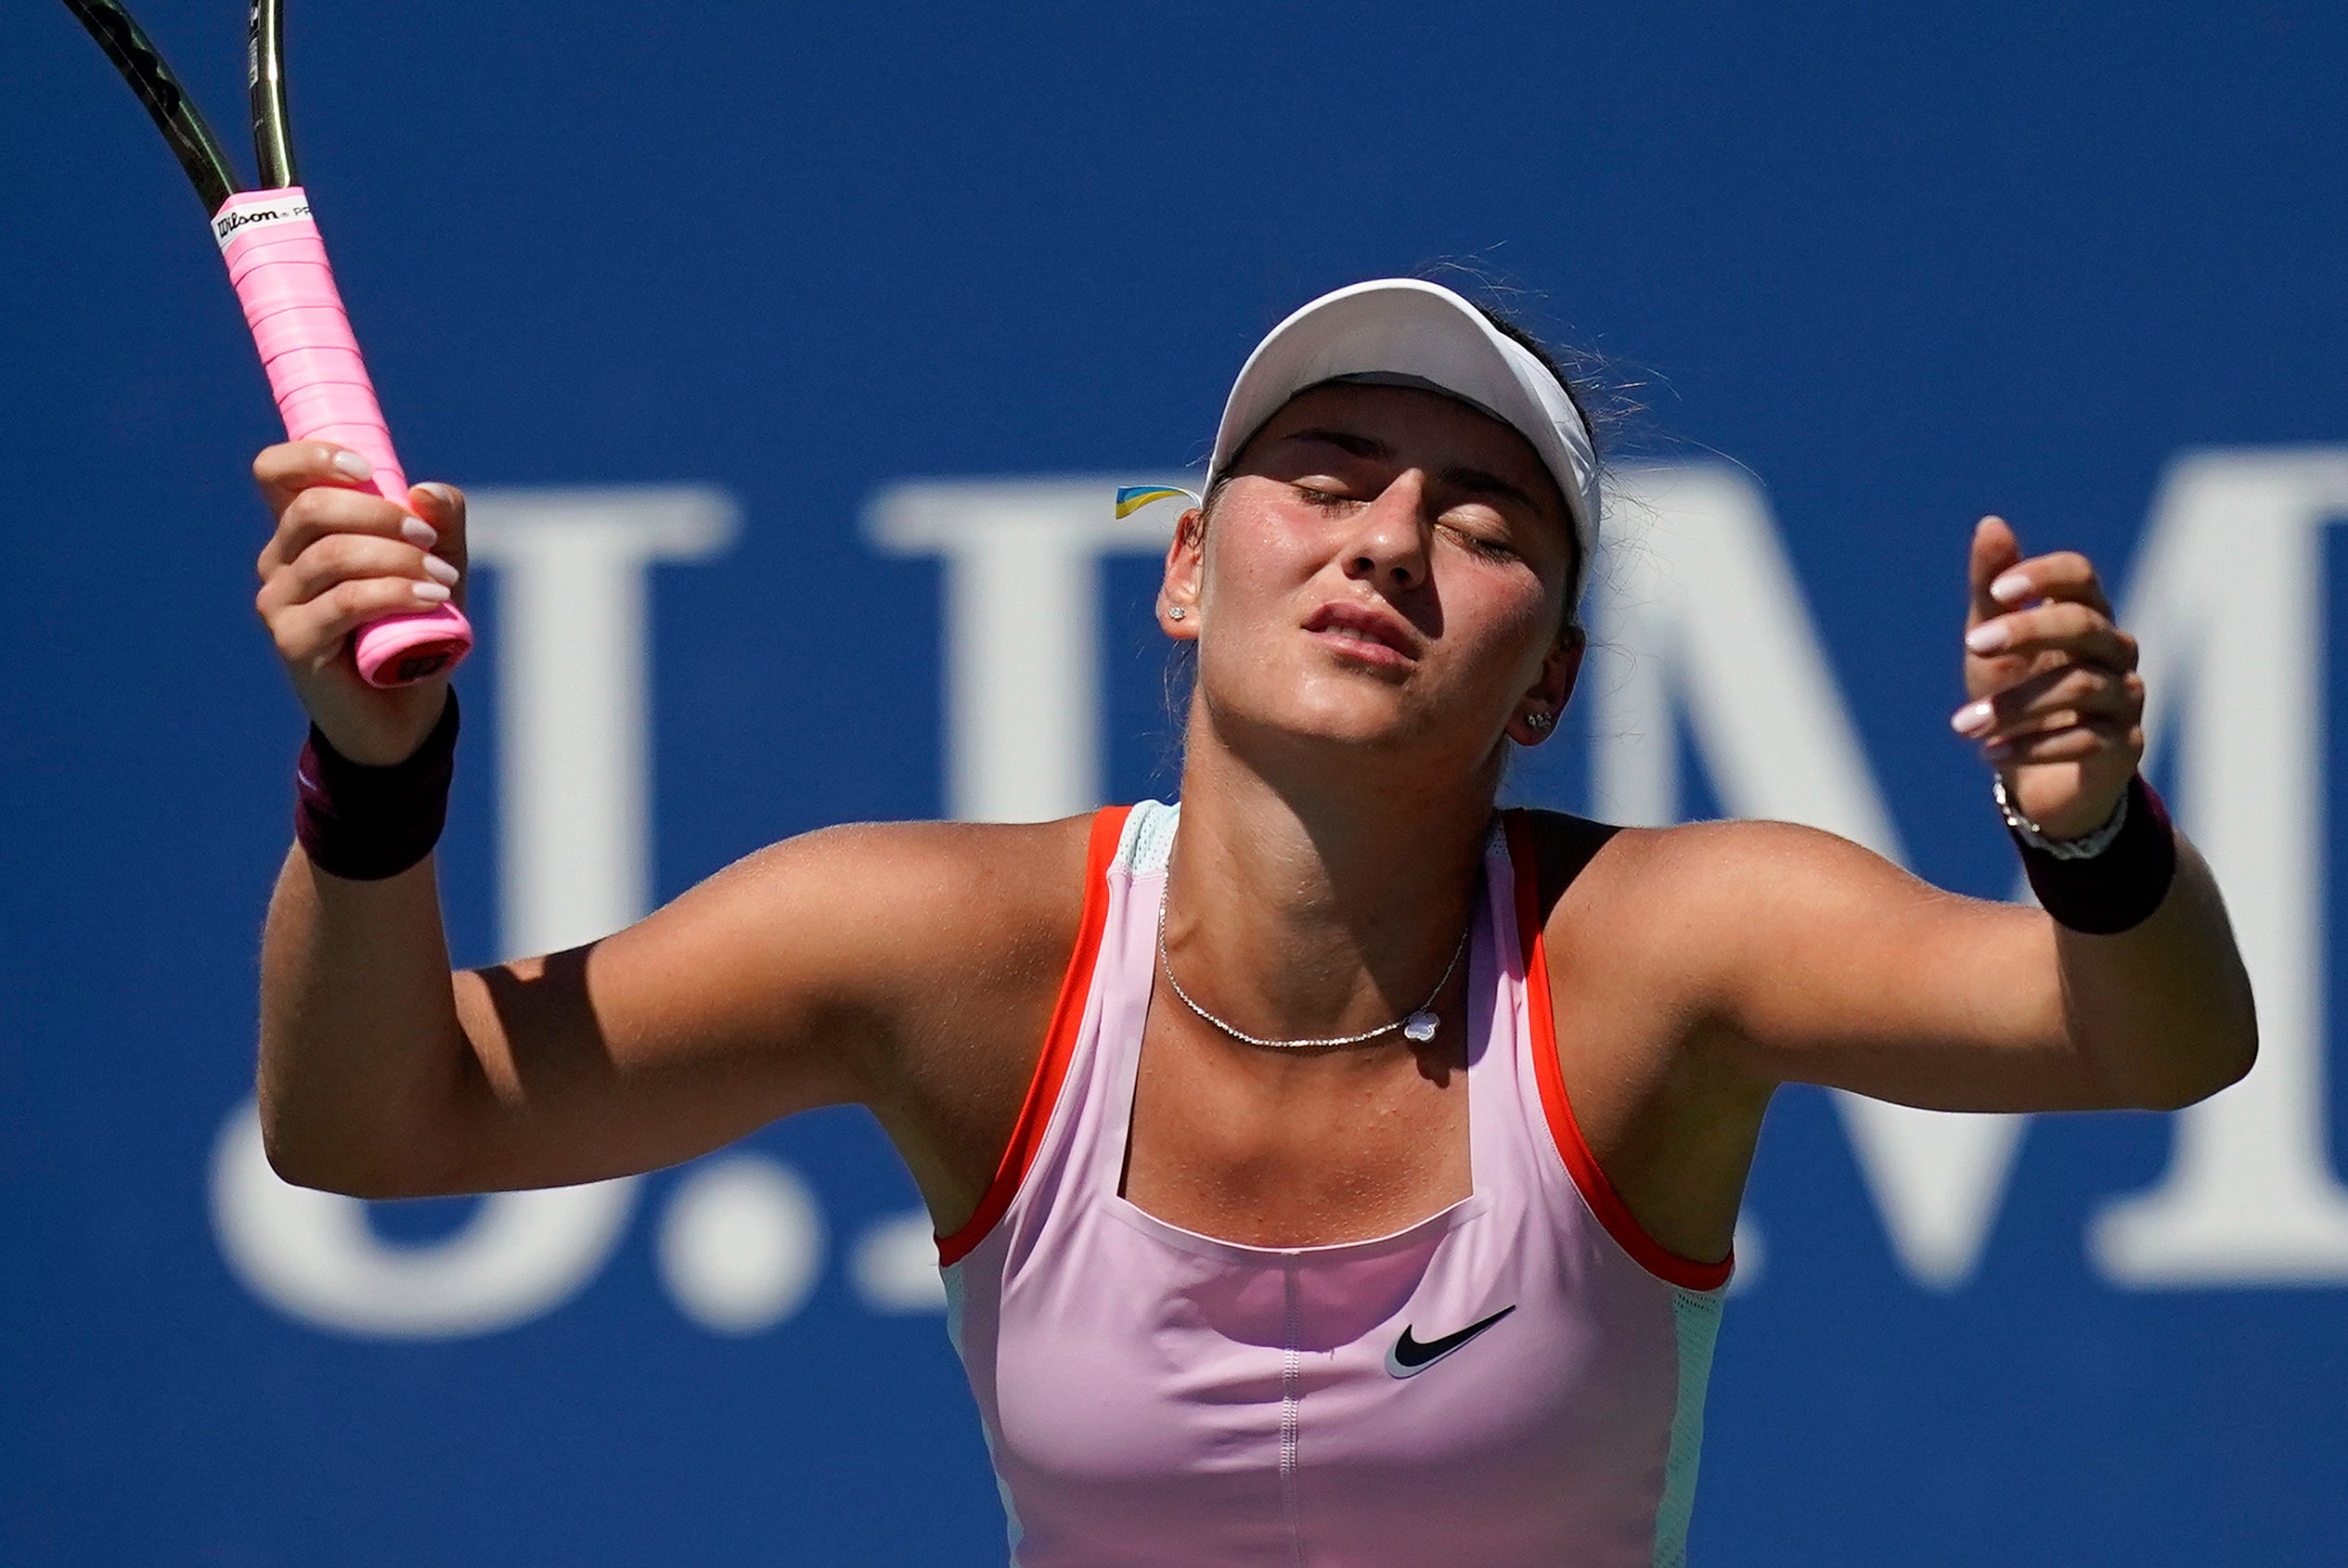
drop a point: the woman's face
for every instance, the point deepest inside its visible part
(1386, 569)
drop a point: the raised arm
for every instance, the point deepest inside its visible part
(908, 967)
(1840, 969)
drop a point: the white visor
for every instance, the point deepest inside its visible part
(1409, 333)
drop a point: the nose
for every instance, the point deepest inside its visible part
(1387, 548)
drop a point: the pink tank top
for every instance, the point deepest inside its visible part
(1518, 1380)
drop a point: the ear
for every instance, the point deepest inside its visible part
(1185, 568)
(1560, 667)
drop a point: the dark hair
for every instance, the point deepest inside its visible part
(1605, 391)
(1576, 393)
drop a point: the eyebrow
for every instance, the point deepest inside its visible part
(1476, 481)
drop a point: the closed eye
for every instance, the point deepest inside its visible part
(1326, 500)
(1491, 550)
(1476, 543)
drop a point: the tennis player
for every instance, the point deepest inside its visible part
(1331, 1170)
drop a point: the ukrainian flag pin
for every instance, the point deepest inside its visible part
(1132, 498)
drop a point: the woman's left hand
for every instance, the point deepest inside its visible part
(2057, 704)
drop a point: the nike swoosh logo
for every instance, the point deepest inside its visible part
(1410, 1356)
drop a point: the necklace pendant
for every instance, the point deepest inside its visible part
(1420, 1026)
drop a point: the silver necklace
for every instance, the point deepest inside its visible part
(1418, 1026)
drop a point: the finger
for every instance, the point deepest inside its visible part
(313, 632)
(443, 508)
(2076, 743)
(1994, 551)
(318, 512)
(2079, 631)
(285, 470)
(2084, 689)
(2066, 574)
(343, 557)
(2093, 709)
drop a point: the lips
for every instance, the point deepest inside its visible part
(1376, 636)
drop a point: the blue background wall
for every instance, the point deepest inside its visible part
(1908, 265)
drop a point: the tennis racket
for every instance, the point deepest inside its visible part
(278, 266)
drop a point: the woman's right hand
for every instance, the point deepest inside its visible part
(343, 555)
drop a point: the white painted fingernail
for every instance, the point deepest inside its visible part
(351, 465)
(2012, 589)
(431, 593)
(442, 572)
(1986, 638)
(419, 532)
(1971, 719)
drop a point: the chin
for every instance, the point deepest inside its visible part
(1347, 713)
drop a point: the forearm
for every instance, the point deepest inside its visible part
(2163, 1009)
(361, 1050)
(2150, 995)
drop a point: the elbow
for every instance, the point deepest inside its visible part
(2220, 1059)
(304, 1153)
(300, 1162)
(302, 1158)
(2233, 1064)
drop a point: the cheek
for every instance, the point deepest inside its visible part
(1252, 561)
(1513, 624)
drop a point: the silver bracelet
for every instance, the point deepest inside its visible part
(2085, 847)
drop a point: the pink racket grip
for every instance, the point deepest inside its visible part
(278, 264)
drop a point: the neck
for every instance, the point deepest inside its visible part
(1319, 896)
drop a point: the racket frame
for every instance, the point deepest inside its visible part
(167, 103)
(264, 75)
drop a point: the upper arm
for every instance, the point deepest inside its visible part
(1694, 968)
(807, 975)
(1822, 962)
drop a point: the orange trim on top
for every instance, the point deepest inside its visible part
(1549, 1073)
(1059, 1042)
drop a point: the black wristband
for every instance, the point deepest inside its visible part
(2118, 888)
(364, 824)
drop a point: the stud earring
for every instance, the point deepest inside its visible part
(1176, 612)
(1539, 721)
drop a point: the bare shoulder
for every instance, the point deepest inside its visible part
(961, 936)
(956, 933)
(1732, 890)
(1009, 860)
(973, 898)
(1697, 863)
(848, 935)
(905, 907)
(1670, 951)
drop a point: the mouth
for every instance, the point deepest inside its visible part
(1358, 632)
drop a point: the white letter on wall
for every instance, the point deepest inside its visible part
(313, 1255)
(1022, 644)
(574, 865)
(573, 754)
(2227, 602)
